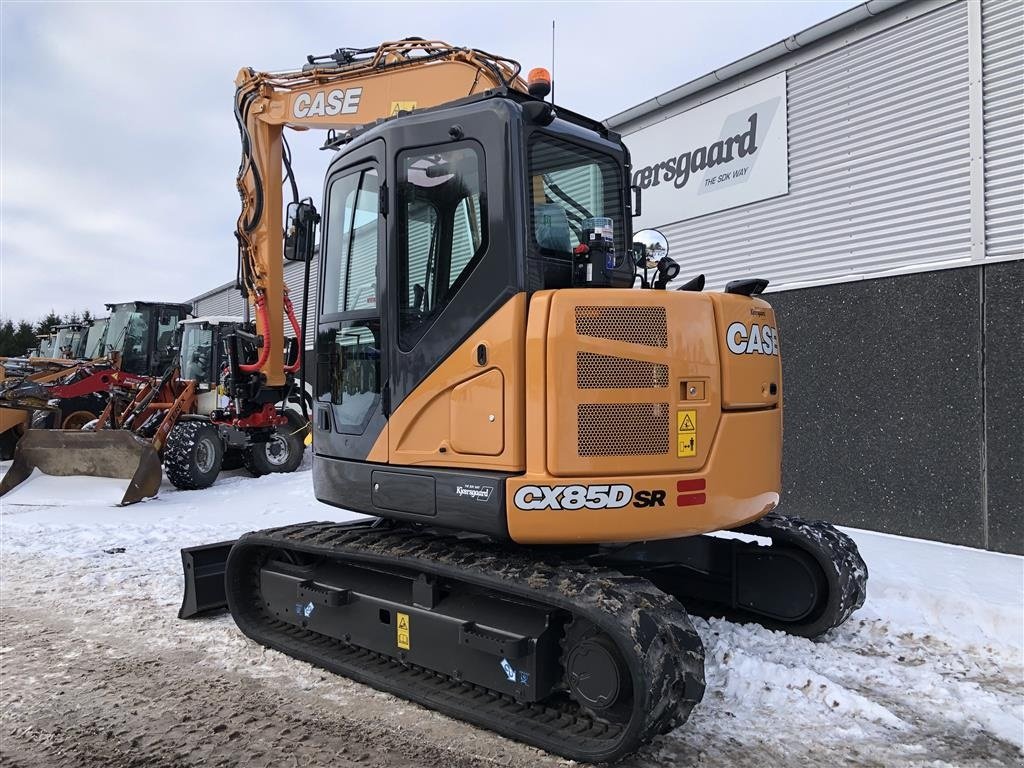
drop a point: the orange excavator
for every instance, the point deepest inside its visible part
(549, 439)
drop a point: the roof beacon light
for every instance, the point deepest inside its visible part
(539, 82)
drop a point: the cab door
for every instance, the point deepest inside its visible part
(350, 408)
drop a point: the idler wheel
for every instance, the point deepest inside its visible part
(595, 675)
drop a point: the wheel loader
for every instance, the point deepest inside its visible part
(41, 396)
(179, 422)
(185, 420)
(80, 341)
(549, 440)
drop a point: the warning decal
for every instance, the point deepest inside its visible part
(402, 106)
(402, 628)
(686, 434)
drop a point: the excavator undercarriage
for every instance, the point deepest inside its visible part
(587, 652)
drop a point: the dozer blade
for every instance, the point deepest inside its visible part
(107, 453)
(204, 579)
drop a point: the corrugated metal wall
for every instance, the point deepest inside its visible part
(1002, 62)
(879, 167)
(228, 301)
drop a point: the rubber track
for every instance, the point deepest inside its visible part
(835, 552)
(652, 630)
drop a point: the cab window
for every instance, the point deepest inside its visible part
(569, 184)
(441, 231)
(350, 255)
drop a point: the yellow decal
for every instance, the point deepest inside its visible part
(687, 434)
(402, 106)
(403, 631)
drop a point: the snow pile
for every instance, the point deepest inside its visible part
(46, 490)
(928, 672)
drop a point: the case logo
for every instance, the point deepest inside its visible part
(756, 340)
(327, 103)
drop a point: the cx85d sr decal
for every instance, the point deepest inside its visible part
(585, 497)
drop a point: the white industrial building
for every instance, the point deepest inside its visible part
(896, 147)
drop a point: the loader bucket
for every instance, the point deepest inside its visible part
(108, 453)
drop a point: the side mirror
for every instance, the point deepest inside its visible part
(300, 230)
(650, 243)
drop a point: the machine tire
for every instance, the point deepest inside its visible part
(283, 452)
(193, 455)
(8, 443)
(233, 459)
(78, 419)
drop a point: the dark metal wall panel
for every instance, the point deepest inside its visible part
(1004, 404)
(884, 408)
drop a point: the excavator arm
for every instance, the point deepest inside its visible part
(341, 91)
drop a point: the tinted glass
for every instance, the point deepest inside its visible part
(350, 381)
(350, 256)
(441, 231)
(570, 183)
(197, 353)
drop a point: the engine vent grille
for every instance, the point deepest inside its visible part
(607, 372)
(636, 325)
(622, 429)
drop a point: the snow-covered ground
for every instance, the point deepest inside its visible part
(928, 672)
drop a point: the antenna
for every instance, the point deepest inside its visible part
(552, 61)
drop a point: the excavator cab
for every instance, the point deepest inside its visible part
(434, 225)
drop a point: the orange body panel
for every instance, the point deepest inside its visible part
(478, 415)
(646, 376)
(741, 482)
(446, 422)
(625, 394)
(610, 404)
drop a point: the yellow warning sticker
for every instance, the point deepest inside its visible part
(402, 628)
(686, 434)
(402, 106)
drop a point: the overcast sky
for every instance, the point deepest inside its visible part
(119, 149)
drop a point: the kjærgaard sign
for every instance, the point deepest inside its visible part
(727, 152)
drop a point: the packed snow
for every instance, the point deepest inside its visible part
(928, 672)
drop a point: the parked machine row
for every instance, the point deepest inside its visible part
(145, 403)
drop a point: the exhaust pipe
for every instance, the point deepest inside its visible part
(113, 453)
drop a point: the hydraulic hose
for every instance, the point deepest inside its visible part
(261, 323)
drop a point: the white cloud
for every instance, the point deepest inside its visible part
(118, 147)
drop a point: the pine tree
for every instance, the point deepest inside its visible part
(25, 337)
(8, 344)
(44, 325)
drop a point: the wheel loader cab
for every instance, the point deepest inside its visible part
(143, 333)
(460, 382)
